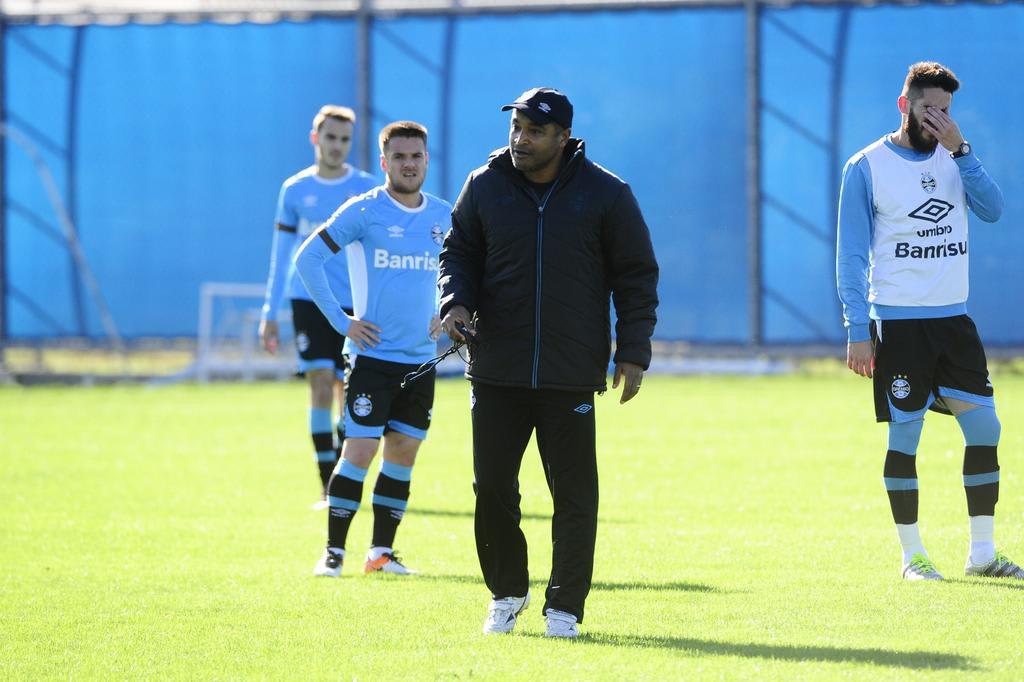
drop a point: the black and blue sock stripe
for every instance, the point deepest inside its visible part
(321, 431)
(343, 497)
(390, 500)
(981, 429)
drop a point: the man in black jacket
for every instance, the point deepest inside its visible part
(541, 238)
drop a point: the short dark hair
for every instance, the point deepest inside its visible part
(401, 129)
(335, 111)
(929, 75)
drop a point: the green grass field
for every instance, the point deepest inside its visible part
(745, 534)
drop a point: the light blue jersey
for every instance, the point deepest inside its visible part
(307, 200)
(392, 260)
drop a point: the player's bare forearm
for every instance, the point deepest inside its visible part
(860, 358)
(269, 335)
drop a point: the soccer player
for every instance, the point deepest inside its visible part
(307, 199)
(393, 236)
(542, 237)
(902, 278)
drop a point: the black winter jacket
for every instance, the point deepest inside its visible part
(538, 272)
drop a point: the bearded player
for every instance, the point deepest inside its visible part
(902, 277)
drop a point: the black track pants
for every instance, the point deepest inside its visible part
(503, 420)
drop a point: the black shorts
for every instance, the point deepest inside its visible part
(918, 363)
(319, 345)
(376, 402)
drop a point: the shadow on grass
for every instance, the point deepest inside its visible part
(670, 586)
(988, 583)
(468, 514)
(598, 586)
(933, 660)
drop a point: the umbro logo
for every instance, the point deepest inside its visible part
(545, 107)
(932, 210)
(396, 231)
(309, 200)
(584, 408)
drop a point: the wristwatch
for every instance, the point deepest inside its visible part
(963, 150)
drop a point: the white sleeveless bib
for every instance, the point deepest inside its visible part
(919, 246)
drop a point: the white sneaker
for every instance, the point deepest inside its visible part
(561, 624)
(329, 565)
(501, 614)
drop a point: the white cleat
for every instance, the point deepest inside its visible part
(502, 613)
(999, 567)
(921, 567)
(561, 624)
(320, 504)
(329, 565)
(386, 563)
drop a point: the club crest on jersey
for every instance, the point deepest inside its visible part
(302, 342)
(928, 182)
(437, 234)
(900, 387)
(396, 231)
(362, 406)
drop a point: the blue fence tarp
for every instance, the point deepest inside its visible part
(174, 140)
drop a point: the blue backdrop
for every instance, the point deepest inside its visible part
(174, 144)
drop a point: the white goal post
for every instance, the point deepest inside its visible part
(227, 344)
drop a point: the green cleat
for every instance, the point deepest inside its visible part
(1000, 567)
(921, 568)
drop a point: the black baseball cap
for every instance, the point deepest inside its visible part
(544, 105)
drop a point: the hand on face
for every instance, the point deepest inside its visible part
(943, 127)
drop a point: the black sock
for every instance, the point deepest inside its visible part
(323, 443)
(981, 479)
(901, 484)
(390, 497)
(344, 492)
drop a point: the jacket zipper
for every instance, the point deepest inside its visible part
(540, 244)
